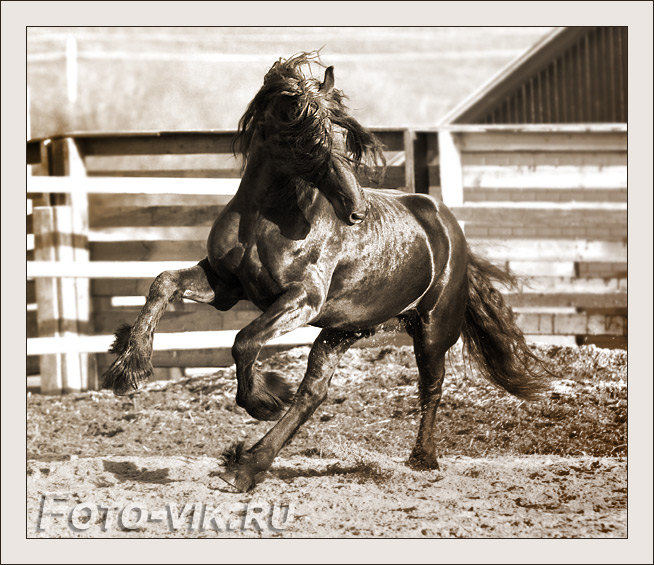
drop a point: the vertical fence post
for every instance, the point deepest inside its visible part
(47, 313)
(432, 168)
(74, 373)
(416, 170)
(420, 163)
(34, 201)
(66, 160)
(409, 161)
(56, 299)
(451, 169)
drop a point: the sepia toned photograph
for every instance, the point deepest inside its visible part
(327, 282)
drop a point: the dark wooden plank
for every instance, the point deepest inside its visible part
(394, 177)
(169, 173)
(33, 152)
(154, 216)
(31, 292)
(148, 251)
(32, 323)
(392, 140)
(165, 143)
(33, 365)
(420, 160)
(621, 64)
(138, 200)
(604, 341)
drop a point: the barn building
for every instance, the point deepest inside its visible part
(554, 131)
(573, 75)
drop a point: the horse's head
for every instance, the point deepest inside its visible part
(341, 187)
(337, 179)
(301, 126)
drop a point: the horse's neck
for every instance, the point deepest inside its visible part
(264, 189)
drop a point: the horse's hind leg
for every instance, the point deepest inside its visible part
(133, 343)
(325, 354)
(431, 340)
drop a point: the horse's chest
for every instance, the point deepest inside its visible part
(274, 258)
(224, 248)
(264, 256)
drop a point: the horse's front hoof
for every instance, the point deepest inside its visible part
(265, 411)
(268, 398)
(240, 480)
(127, 374)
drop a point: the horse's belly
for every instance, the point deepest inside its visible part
(371, 290)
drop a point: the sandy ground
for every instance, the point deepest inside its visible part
(100, 466)
(527, 496)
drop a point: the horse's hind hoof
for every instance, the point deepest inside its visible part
(239, 480)
(423, 462)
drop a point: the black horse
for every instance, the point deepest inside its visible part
(304, 242)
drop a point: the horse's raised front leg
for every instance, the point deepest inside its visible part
(266, 396)
(133, 343)
(325, 354)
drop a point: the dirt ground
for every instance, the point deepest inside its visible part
(146, 466)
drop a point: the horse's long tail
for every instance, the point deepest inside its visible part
(493, 339)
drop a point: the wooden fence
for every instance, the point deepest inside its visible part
(108, 212)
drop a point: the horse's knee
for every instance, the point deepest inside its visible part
(165, 283)
(244, 347)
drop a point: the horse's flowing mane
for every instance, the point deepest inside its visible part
(295, 120)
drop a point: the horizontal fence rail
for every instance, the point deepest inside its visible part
(162, 341)
(106, 213)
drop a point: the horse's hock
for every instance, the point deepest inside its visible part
(549, 201)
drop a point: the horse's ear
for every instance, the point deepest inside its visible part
(328, 82)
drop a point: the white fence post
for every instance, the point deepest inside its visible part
(57, 300)
(73, 374)
(67, 161)
(48, 314)
(451, 169)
